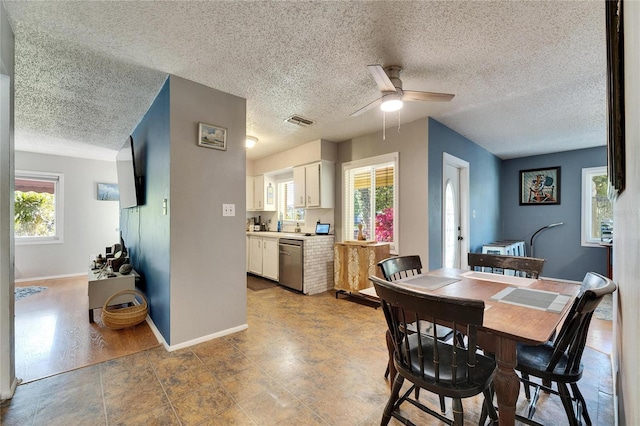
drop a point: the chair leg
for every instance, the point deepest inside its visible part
(566, 402)
(578, 395)
(443, 408)
(458, 414)
(527, 391)
(386, 372)
(488, 408)
(390, 366)
(393, 398)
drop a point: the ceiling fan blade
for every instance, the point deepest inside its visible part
(367, 107)
(382, 79)
(412, 95)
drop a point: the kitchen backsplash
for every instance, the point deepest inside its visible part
(309, 225)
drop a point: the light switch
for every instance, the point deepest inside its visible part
(228, 210)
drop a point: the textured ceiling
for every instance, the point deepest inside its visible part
(529, 77)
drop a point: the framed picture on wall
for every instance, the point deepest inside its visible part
(211, 136)
(108, 192)
(540, 186)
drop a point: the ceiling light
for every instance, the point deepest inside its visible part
(250, 142)
(391, 102)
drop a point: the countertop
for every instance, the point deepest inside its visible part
(290, 235)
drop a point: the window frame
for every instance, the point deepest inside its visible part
(58, 181)
(280, 202)
(379, 160)
(586, 239)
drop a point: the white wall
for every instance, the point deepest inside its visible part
(626, 247)
(411, 144)
(90, 225)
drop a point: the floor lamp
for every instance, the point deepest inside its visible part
(539, 231)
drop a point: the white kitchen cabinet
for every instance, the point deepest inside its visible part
(255, 255)
(261, 193)
(270, 258)
(299, 187)
(313, 185)
(263, 257)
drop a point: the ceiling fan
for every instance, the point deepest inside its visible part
(388, 80)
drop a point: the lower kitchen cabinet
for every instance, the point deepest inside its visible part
(263, 257)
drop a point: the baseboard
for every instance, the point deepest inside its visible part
(156, 332)
(50, 277)
(11, 391)
(207, 337)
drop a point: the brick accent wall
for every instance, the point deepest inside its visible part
(318, 264)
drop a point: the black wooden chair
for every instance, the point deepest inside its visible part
(559, 361)
(396, 268)
(530, 267)
(427, 362)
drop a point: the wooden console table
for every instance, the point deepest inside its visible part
(354, 262)
(101, 288)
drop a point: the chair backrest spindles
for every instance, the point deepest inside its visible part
(572, 337)
(529, 266)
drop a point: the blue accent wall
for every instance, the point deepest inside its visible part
(561, 246)
(484, 189)
(145, 229)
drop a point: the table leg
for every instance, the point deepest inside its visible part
(506, 381)
(91, 315)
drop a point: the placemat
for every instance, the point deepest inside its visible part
(505, 279)
(427, 282)
(536, 299)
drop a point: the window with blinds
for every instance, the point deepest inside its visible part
(286, 210)
(38, 207)
(370, 199)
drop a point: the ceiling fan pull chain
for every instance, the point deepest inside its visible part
(383, 126)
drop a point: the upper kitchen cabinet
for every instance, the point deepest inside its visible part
(313, 185)
(261, 193)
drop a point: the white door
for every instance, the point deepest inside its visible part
(455, 212)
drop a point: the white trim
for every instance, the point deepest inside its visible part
(585, 212)
(202, 339)
(58, 180)
(51, 277)
(392, 157)
(463, 166)
(12, 389)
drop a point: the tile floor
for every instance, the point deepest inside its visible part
(305, 360)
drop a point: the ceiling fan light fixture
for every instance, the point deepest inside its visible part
(250, 142)
(391, 102)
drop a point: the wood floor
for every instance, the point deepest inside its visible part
(53, 333)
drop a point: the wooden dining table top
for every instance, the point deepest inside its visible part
(523, 324)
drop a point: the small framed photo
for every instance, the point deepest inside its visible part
(211, 136)
(108, 192)
(540, 186)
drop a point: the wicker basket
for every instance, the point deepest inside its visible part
(118, 318)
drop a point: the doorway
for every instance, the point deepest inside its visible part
(455, 212)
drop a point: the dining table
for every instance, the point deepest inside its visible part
(517, 310)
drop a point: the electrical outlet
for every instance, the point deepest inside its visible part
(228, 210)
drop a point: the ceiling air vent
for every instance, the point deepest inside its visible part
(299, 120)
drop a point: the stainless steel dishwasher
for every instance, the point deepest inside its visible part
(291, 263)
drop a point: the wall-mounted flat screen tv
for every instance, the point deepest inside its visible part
(128, 181)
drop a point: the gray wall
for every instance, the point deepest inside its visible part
(411, 144)
(7, 352)
(484, 190)
(560, 246)
(208, 251)
(193, 260)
